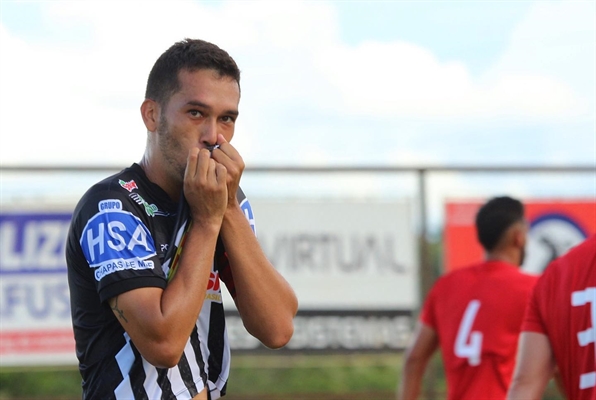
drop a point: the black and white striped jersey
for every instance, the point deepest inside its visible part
(126, 234)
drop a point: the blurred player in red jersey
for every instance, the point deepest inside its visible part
(559, 328)
(474, 314)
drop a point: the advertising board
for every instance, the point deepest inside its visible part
(554, 227)
(353, 266)
(35, 326)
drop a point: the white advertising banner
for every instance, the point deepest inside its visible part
(353, 266)
(342, 255)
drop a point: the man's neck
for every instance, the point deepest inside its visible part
(158, 176)
(508, 256)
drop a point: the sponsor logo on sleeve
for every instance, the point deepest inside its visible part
(130, 185)
(247, 209)
(150, 209)
(116, 240)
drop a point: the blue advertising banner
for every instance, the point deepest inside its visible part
(34, 300)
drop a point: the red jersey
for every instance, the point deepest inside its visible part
(477, 313)
(563, 307)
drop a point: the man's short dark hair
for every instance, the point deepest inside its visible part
(190, 55)
(495, 217)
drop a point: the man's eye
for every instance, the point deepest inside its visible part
(195, 113)
(227, 119)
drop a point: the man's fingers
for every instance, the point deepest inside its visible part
(221, 139)
(211, 170)
(221, 174)
(192, 163)
(225, 151)
(204, 163)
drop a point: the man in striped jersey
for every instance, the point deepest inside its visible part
(148, 246)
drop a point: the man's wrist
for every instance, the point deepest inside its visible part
(211, 224)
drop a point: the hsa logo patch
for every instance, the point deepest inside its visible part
(115, 240)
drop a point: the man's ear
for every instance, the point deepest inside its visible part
(520, 233)
(150, 113)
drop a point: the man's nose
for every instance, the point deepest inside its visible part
(209, 132)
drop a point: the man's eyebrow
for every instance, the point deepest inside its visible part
(197, 103)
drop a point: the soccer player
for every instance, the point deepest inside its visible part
(148, 246)
(474, 314)
(559, 329)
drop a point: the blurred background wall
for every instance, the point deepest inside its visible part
(361, 247)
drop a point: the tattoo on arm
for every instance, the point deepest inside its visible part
(114, 307)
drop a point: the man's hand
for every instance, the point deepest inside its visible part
(229, 157)
(205, 187)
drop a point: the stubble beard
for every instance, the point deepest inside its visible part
(171, 150)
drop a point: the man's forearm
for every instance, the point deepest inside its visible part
(534, 367)
(423, 345)
(150, 314)
(265, 300)
(411, 379)
(525, 390)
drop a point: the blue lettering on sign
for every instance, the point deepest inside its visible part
(114, 240)
(22, 299)
(33, 242)
(247, 209)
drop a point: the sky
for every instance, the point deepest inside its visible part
(323, 82)
(355, 83)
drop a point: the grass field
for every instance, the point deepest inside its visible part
(267, 377)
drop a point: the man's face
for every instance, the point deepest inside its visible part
(205, 106)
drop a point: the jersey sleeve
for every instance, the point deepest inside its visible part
(428, 315)
(223, 267)
(221, 256)
(533, 321)
(246, 209)
(117, 246)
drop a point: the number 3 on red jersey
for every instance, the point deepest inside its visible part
(472, 347)
(583, 298)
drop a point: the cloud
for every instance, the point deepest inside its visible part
(401, 79)
(307, 96)
(86, 95)
(556, 39)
